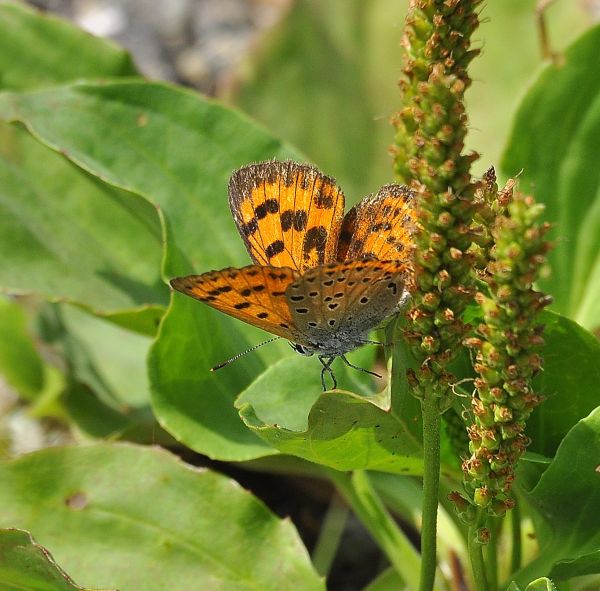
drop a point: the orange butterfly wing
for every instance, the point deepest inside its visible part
(288, 214)
(254, 294)
(379, 226)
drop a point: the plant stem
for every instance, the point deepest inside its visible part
(517, 548)
(330, 535)
(491, 553)
(476, 554)
(360, 495)
(431, 485)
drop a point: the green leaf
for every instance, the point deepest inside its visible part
(36, 50)
(567, 497)
(166, 144)
(67, 236)
(138, 518)
(346, 432)
(107, 392)
(338, 429)
(197, 405)
(284, 394)
(24, 564)
(586, 564)
(554, 142)
(40, 50)
(542, 584)
(178, 151)
(325, 78)
(20, 363)
(192, 403)
(96, 418)
(108, 358)
(570, 382)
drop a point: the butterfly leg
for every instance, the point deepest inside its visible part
(326, 363)
(359, 368)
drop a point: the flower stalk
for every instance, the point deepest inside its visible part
(428, 156)
(506, 347)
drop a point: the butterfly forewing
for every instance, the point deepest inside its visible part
(379, 226)
(288, 214)
(254, 294)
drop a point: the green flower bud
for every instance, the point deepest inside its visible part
(482, 497)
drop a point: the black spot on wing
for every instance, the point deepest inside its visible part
(300, 220)
(249, 228)
(287, 219)
(274, 248)
(269, 206)
(322, 200)
(384, 226)
(315, 239)
(296, 219)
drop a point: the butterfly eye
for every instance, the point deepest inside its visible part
(302, 349)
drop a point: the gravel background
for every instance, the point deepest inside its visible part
(193, 42)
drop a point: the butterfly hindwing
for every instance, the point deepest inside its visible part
(376, 291)
(379, 226)
(254, 294)
(288, 214)
(339, 303)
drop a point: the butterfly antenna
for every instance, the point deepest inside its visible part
(236, 357)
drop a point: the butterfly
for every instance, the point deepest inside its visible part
(320, 279)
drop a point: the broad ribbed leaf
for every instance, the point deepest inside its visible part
(570, 382)
(555, 143)
(176, 150)
(138, 518)
(567, 497)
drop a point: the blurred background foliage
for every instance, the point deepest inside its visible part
(325, 79)
(322, 75)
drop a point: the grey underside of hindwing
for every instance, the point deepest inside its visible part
(334, 312)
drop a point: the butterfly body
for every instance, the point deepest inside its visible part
(321, 280)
